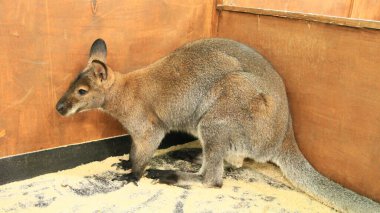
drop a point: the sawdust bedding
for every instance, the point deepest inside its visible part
(89, 188)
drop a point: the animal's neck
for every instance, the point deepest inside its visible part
(121, 97)
(114, 96)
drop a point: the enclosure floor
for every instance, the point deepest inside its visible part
(89, 188)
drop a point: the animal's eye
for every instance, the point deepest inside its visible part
(82, 92)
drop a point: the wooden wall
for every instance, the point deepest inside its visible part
(332, 76)
(363, 9)
(366, 9)
(44, 44)
(331, 72)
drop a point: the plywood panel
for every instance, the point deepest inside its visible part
(326, 7)
(366, 9)
(335, 20)
(45, 43)
(332, 76)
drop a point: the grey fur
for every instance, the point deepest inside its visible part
(219, 90)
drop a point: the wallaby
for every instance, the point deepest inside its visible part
(221, 91)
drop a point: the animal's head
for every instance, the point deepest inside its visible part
(90, 87)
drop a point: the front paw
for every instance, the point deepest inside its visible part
(123, 164)
(127, 178)
(164, 176)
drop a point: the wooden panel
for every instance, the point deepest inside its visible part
(326, 7)
(335, 20)
(44, 44)
(366, 9)
(332, 76)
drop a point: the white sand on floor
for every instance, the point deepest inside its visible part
(89, 188)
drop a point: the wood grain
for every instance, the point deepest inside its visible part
(326, 7)
(335, 20)
(366, 9)
(44, 44)
(332, 75)
(361, 9)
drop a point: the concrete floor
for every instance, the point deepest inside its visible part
(89, 188)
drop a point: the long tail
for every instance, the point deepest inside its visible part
(299, 171)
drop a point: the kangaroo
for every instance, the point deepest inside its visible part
(221, 91)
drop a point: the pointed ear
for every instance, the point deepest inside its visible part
(100, 69)
(98, 50)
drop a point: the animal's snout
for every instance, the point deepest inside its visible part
(60, 107)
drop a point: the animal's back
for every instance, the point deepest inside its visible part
(185, 77)
(219, 51)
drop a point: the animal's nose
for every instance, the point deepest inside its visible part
(60, 107)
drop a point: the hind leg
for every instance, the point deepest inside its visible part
(194, 155)
(213, 136)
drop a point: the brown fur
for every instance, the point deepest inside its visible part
(219, 90)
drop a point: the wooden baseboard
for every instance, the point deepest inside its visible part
(28, 165)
